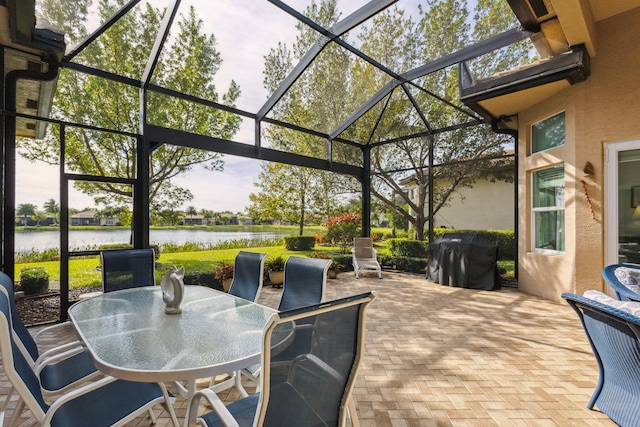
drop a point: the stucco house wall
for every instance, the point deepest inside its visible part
(485, 206)
(603, 109)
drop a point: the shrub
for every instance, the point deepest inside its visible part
(34, 280)
(376, 236)
(400, 234)
(505, 240)
(408, 264)
(299, 243)
(204, 278)
(274, 264)
(407, 248)
(342, 229)
(224, 271)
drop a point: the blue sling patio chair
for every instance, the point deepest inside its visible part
(106, 402)
(624, 279)
(316, 389)
(613, 330)
(248, 275)
(127, 268)
(59, 368)
(305, 281)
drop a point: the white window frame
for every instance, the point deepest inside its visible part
(542, 120)
(535, 210)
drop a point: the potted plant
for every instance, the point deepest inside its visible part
(334, 268)
(224, 275)
(275, 269)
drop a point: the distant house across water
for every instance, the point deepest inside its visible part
(91, 217)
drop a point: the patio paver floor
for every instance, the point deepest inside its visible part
(444, 356)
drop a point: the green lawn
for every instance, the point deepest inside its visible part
(85, 271)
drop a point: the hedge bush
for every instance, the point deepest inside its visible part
(204, 278)
(299, 243)
(408, 264)
(505, 239)
(407, 248)
(34, 280)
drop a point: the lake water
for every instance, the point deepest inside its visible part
(91, 239)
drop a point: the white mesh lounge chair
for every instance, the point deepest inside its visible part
(365, 257)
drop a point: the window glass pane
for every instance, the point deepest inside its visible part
(548, 187)
(550, 230)
(548, 133)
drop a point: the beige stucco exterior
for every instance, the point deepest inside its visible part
(485, 206)
(603, 109)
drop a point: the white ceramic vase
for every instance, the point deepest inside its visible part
(172, 285)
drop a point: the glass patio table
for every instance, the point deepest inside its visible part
(129, 335)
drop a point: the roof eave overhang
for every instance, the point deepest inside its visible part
(31, 49)
(572, 66)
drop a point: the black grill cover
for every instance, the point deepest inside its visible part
(464, 260)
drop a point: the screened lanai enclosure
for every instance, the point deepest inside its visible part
(125, 95)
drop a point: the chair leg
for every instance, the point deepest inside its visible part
(239, 385)
(168, 406)
(353, 415)
(15, 417)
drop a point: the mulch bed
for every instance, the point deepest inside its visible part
(45, 308)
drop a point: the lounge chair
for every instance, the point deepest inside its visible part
(317, 387)
(365, 257)
(613, 330)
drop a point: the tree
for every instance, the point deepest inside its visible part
(207, 215)
(38, 217)
(292, 193)
(191, 211)
(189, 66)
(121, 214)
(443, 29)
(26, 210)
(52, 208)
(166, 217)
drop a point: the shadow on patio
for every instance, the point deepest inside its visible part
(443, 356)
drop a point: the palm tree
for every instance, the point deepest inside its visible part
(39, 216)
(26, 210)
(191, 211)
(52, 208)
(207, 215)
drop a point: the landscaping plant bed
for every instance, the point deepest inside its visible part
(45, 308)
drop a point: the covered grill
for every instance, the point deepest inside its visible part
(464, 260)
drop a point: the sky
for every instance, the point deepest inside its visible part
(243, 55)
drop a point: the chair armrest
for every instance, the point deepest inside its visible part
(315, 361)
(50, 329)
(42, 363)
(56, 354)
(215, 402)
